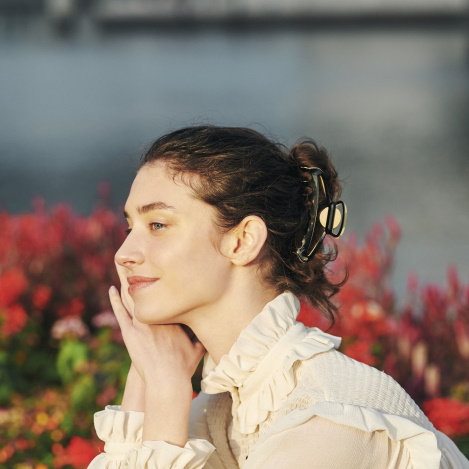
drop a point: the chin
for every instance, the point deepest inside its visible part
(153, 317)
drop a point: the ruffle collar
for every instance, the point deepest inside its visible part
(258, 370)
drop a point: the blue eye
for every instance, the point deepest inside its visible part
(156, 226)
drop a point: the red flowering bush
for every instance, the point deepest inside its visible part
(12, 315)
(62, 357)
(424, 345)
(78, 454)
(450, 416)
(368, 320)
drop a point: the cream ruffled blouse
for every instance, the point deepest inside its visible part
(284, 397)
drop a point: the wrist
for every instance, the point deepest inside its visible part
(134, 393)
(167, 411)
(171, 388)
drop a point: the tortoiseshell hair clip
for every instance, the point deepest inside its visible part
(332, 218)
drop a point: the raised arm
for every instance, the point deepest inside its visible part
(157, 400)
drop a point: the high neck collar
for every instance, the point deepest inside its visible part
(252, 345)
(259, 364)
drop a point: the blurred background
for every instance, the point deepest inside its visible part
(85, 85)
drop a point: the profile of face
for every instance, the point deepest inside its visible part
(171, 257)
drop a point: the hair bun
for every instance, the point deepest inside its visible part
(308, 153)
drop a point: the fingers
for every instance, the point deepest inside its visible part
(174, 339)
(122, 315)
(127, 300)
(157, 349)
(125, 297)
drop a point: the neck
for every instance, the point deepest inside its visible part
(219, 325)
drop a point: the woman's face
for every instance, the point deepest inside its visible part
(169, 257)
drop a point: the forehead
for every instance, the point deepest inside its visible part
(154, 184)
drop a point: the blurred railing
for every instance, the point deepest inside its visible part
(156, 10)
(21, 5)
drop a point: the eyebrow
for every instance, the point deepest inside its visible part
(152, 206)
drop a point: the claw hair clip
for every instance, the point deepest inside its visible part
(332, 218)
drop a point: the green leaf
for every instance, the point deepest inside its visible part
(84, 393)
(71, 356)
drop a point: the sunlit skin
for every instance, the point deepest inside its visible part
(181, 269)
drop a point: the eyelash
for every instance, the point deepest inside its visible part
(162, 225)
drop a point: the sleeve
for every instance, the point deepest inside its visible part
(322, 444)
(124, 449)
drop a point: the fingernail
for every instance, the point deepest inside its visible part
(113, 291)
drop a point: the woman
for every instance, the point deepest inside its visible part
(225, 231)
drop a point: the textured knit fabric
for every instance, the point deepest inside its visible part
(284, 397)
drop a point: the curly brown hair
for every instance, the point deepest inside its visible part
(241, 173)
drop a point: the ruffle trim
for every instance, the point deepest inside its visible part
(117, 427)
(254, 342)
(259, 366)
(122, 433)
(425, 446)
(264, 394)
(159, 455)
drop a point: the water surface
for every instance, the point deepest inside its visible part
(391, 105)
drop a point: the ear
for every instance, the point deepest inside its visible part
(246, 240)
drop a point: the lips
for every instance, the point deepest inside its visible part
(138, 283)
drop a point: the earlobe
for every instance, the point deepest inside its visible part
(248, 238)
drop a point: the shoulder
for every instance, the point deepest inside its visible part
(330, 445)
(334, 377)
(356, 416)
(356, 402)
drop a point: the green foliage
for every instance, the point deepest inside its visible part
(73, 356)
(62, 356)
(6, 379)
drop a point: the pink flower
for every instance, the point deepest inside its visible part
(105, 319)
(71, 326)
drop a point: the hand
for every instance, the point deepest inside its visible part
(162, 354)
(134, 392)
(129, 306)
(165, 358)
(127, 300)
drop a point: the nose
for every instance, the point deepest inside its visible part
(129, 253)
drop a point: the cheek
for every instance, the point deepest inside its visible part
(211, 267)
(202, 261)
